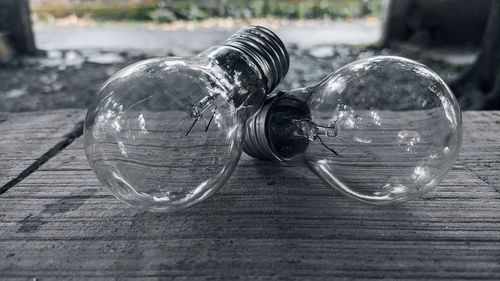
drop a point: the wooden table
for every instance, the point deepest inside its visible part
(265, 224)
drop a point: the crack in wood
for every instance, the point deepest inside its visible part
(75, 133)
(482, 178)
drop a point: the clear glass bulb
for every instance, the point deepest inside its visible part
(165, 133)
(382, 130)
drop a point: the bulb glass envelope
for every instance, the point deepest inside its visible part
(382, 130)
(165, 133)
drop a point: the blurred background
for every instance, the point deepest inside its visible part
(56, 53)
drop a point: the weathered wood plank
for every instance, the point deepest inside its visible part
(26, 137)
(268, 222)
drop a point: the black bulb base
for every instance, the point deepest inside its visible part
(276, 131)
(257, 142)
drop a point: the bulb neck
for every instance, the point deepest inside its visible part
(265, 49)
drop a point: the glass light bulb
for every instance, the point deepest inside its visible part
(165, 133)
(382, 130)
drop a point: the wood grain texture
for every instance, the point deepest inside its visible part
(268, 222)
(25, 137)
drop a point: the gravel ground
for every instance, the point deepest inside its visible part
(69, 79)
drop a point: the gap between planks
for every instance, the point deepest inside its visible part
(75, 133)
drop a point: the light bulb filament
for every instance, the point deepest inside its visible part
(312, 131)
(196, 111)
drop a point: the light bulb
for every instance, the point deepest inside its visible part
(382, 130)
(165, 133)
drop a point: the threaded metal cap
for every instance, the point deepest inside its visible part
(257, 143)
(267, 51)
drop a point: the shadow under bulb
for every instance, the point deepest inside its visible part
(165, 133)
(381, 130)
